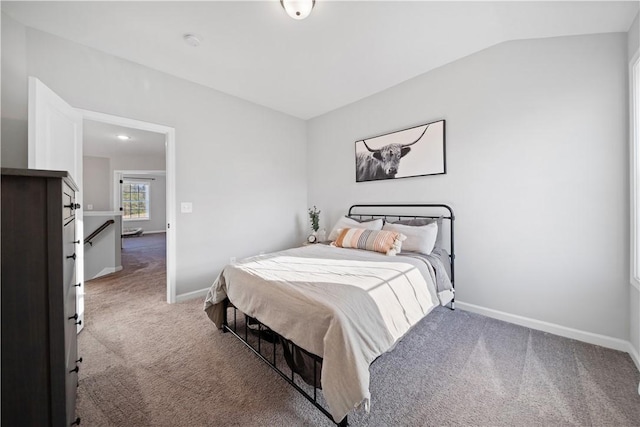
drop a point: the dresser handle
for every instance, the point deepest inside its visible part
(71, 206)
(76, 370)
(71, 256)
(79, 360)
(76, 422)
(78, 285)
(78, 206)
(77, 242)
(79, 322)
(74, 317)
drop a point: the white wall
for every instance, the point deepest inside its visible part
(103, 256)
(537, 173)
(633, 46)
(147, 162)
(633, 37)
(150, 162)
(96, 179)
(634, 322)
(241, 165)
(14, 100)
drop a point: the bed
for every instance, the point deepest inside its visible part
(334, 310)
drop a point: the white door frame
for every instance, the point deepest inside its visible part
(170, 141)
(634, 167)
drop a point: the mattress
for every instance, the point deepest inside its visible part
(347, 306)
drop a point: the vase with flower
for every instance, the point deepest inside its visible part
(314, 218)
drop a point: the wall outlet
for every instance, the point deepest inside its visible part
(89, 207)
(186, 207)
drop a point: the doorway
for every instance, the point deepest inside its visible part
(168, 135)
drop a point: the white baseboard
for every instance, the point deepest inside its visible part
(552, 328)
(153, 232)
(108, 270)
(191, 295)
(634, 356)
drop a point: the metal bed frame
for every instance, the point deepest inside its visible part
(317, 360)
(450, 217)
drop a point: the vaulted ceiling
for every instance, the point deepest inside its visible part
(343, 52)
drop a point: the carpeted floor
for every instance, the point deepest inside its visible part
(147, 363)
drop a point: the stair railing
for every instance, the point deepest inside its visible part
(99, 230)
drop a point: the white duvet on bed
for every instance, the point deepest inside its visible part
(346, 305)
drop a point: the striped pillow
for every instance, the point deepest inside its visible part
(386, 242)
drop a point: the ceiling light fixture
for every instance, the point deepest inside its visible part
(124, 137)
(298, 9)
(192, 39)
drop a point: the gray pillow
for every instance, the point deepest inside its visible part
(418, 222)
(347, 221)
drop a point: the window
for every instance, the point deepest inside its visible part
(135, 200)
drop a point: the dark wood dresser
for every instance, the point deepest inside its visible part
(39, 340)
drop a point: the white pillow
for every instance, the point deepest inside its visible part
(345, 222)
(420, 239)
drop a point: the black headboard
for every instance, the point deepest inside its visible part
(407, 211)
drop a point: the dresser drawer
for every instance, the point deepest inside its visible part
(71, 343)
(70, 327)
(71, 354)
(70, 302)
(68, 203)
(69, 241)
(71, 383)
(69, 249)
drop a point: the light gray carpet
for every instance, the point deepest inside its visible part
(147, 363)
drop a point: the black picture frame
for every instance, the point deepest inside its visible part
(407, 153)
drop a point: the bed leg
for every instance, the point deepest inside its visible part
(343, 423)
(453, 304)
(225, 323)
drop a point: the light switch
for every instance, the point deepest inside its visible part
(186, 207)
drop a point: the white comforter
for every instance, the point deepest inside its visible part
(348, 306)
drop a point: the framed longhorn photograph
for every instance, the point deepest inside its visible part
(417, 151)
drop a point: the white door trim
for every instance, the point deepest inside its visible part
(634, 167)
(170, 135)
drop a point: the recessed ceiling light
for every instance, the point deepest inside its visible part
(124, 137)
(192, 39)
